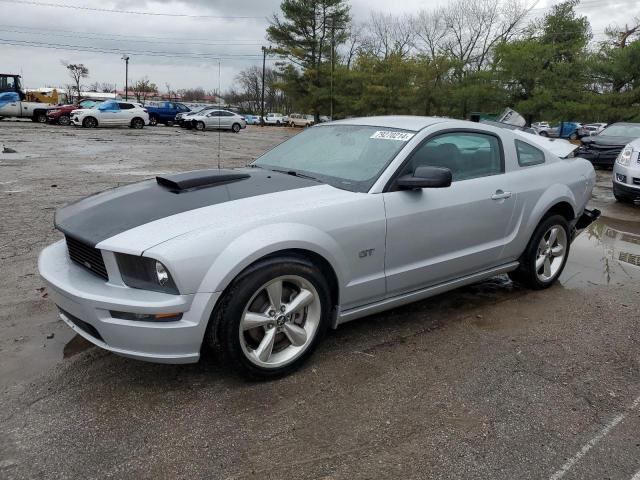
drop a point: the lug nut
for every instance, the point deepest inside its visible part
(283, 308)
(272, 313)
(270, 325)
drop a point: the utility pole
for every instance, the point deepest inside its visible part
(265, 50)
(333, 48)
(126, 76)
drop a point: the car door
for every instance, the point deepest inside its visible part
(126, 113)
(434, 235)
(212, 119)
(9, 104)
(108, 113)
(227, 119)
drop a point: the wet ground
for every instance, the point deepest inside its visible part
(490, 381)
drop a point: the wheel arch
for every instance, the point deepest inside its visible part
(88, 117)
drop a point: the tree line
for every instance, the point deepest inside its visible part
(467, 56)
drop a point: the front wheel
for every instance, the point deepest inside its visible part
(90, 122)
(545, 255)
(272, 317)
(64, 120)
(235, 127)
(200, 126)
(544, 134)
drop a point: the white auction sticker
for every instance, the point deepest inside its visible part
(391, 135)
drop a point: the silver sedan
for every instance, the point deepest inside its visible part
(219, 120)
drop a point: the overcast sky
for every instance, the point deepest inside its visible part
(236, 40)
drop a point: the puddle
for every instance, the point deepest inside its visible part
(606, 253)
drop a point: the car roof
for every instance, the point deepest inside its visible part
(404, 122)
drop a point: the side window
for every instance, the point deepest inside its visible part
(528, 155)
(109, 107)
(227, 114)
(466, 154)
(125, 106)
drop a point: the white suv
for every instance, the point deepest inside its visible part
(300, 120)
(112, 113)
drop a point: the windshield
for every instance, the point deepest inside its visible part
(622, 130)
(345, 156)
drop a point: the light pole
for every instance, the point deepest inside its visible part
(126, 76)
(265, 50)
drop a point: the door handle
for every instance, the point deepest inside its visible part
(500, 195)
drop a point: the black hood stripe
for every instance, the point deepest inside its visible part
(101, 216)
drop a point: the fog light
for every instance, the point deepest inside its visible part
(147, 317)
(621, 178)
(162, 274)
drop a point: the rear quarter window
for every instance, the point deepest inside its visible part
(528, 155)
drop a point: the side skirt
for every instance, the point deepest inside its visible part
(410, 297)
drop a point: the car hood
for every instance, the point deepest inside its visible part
(606, 141)
(102, 216)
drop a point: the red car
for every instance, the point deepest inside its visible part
(62, 113)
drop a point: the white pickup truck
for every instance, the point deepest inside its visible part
(12, 106)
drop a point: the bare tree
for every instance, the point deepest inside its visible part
(430, 29)
(143, 88)
(389, 34)
(620, 37)
(354, 41)
(77, 71)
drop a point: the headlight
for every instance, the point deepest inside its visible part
(145, 273)
(624, 158)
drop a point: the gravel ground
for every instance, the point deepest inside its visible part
(489, 381)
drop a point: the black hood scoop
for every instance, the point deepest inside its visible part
(199, 179)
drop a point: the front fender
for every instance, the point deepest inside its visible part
(268, 239)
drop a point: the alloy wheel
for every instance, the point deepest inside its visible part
(64, 120)
(280, 321)
(551, 252)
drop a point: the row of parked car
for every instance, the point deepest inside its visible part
(92, 113)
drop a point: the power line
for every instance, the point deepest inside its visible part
(79, 48)
(92, 37)
(128, 12)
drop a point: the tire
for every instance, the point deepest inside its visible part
(543, 134)
(235, 128)
(200, 126)
(573, 136)
(619, 196)
(543, 262)
(89, 122)
(40, 117)
(137, 123)
(153, 121)
(267, 349)
(64, 120)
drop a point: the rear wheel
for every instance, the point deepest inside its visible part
(544, 134)
(272, 317)
(64, 120)
(200, 126)
(545, 255)
(90, 122)
(137, 123)
(40, 117)
(235, 127)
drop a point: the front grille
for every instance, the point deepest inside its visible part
(87, 257)
(82, 325)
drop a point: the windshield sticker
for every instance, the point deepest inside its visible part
(390, 135)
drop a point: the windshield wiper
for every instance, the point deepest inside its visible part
(295, 173)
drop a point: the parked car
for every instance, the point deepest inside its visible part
(324, 118)
(604, 148)
(591, 129)
(184, 119)
(111, 113)
(538, 126)
(300, 120)
(62, 113)
(568, 130)
(276, 119)
(334, 224)
(252, 119)
(218, 119)
(165, 112)
(626, 173)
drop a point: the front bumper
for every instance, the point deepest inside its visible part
(604, 157)
(83, 296)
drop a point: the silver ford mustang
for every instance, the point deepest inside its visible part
(343, 220)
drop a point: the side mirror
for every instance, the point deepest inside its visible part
(425, 177)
